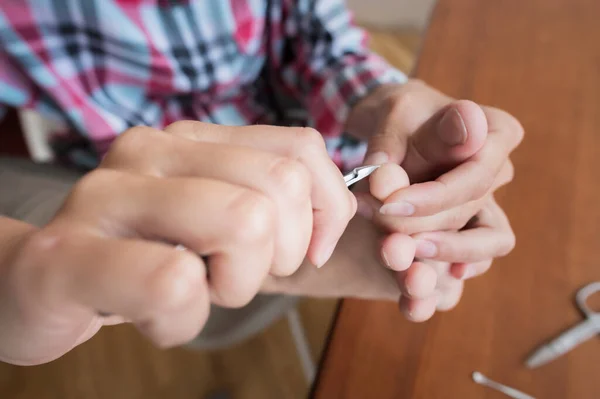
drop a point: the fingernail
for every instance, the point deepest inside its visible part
(426, 249)
(377, 158)
(324, 256)
(469, 272)
(385, 259)
(364, 209)
(401, 208)
(452, 130)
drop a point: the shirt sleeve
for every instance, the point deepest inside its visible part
(327, 62)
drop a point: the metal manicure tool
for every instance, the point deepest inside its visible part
(574, 336)
(359, 173)
(508, 391)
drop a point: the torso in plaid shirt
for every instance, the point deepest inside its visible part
(103, 66)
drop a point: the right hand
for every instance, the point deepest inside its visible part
(253, 200)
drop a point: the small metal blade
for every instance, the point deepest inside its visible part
(359, 173)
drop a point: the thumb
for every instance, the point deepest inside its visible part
(451, 136)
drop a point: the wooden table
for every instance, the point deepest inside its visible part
(540, 60)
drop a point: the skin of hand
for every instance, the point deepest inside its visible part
(251, 201)
(355, 271)
(443, 159)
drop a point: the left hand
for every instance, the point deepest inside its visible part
(456, 155)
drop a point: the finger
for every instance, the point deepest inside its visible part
(449, 295)
(452, 219)
(138, 280)
(232, 224)
(418, 310)
(159, 329)
(398, 251)
(383, 182)
(394, 214)
(452, 135)
(468, 246)
(333, 204)
(448, 288)
(467, 182)
(418, 281)
(489, 237)
(286, 181)
(504, 124)
(471, 179)
(465, 271)
(506, 175)
(386, 180)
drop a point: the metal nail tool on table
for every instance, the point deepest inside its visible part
(574, 336)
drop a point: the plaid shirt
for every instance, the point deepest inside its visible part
(103, 66)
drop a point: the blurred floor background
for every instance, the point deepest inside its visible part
(119, 364)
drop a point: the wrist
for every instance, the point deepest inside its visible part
(366, 115)
(354, 270)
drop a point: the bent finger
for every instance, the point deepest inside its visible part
(465, 271)
(284, 180)
(418, 281)
(333, 204)
(467, 182)
(137, 280)
(418, 310)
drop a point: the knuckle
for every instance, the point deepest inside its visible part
(179, 126)
(189, 129)
(509, 171)
(403, 102)
(92, 185)
(485, 266)
(35, 273)
(132, 143)
(339, 211)
(516, 129)
(232, 293)
(291, 178)
(508, 244)
(483, 185)
(451, 298)
(511, 125)
(237, 300)
(457, 219)
(254, 216)
(307, 137)
(176, 282)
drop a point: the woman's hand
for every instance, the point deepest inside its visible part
(443, 160)
(246, 202)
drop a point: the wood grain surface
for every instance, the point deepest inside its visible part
(540, 60)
